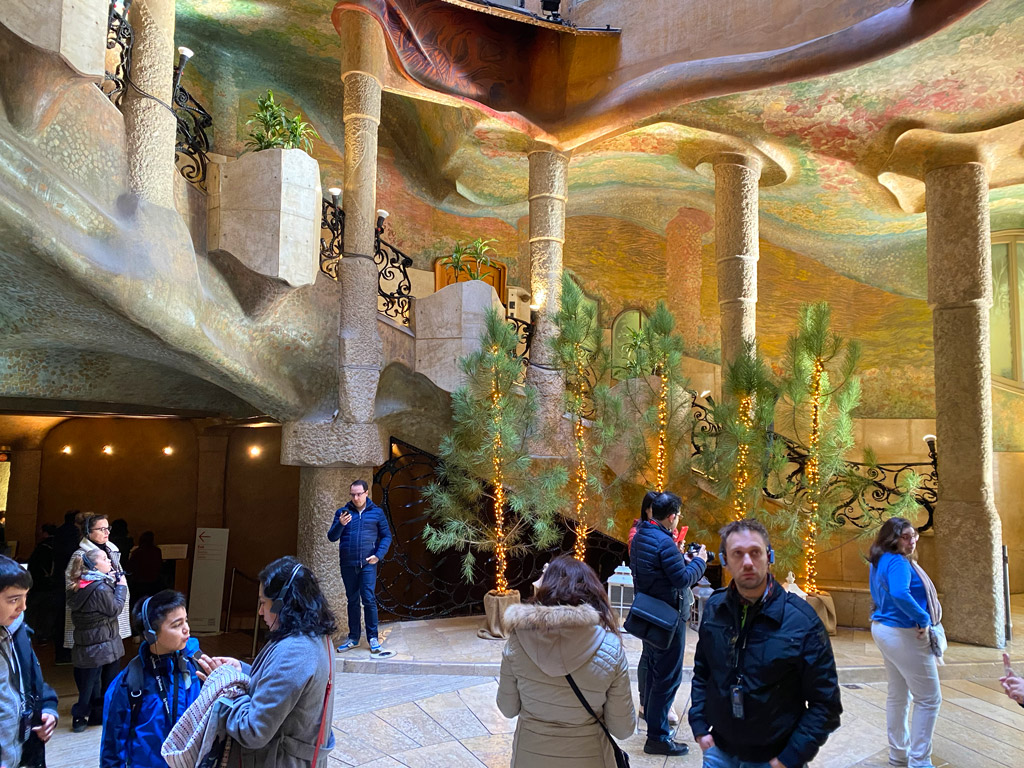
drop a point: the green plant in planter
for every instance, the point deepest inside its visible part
(274, 129)
(470, 259)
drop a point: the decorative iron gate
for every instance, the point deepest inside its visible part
(415, 583)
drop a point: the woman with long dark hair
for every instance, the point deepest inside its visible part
(568, 629)
(285, 721)
(906, 608)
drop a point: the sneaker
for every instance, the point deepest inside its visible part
(79, 724)
(668, 748)
(374, 645)
(348, 645)
(673, 718)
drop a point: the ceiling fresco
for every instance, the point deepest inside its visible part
(830, 136)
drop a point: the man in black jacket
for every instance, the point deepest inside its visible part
(28, 706)
(764, 688)
(661, 571)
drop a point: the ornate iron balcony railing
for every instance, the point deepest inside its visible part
(121, 37)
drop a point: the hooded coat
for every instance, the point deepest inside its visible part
(94, 610)
(545, 644)
(124, 624)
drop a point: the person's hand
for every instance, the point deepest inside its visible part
(702, 553)
(45, 731)
(1012, 683)
(122, 581)
(373, 559)
(207, 664)
(922, 633)
(706, 742)
(344, 518)
(776, 763)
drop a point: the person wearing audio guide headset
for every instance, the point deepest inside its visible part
(285, 720)
(765, 690)
(149, 695)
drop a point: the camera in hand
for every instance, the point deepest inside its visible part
(694, 548)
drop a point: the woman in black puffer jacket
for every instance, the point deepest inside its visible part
(95, 600)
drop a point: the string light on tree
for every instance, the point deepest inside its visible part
(741, 481)
(813, 474)
(580, 475)
(661, 460)
(498, 481)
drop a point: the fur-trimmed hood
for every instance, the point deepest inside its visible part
(559, 638)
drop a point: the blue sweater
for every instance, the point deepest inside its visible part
(898, 593)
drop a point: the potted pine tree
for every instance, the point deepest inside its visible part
(265, 207)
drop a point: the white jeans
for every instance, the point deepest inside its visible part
(912, 672)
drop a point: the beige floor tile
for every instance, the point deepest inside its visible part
(350, 749)
(452, 714)
(414, 723)
(493, 750)
(450, 754)
(480, 699)
(371, 729)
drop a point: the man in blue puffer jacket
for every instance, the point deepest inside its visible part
(661, 571)
(363, 535)
(146, 699)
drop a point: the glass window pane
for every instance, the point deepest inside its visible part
(1001, 316)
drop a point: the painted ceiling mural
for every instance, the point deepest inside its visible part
(449, 172)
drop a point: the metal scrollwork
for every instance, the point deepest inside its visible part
(121, 37)
(394, 288)
(192, 145)
(332, 221)
(414, 583)
(864, 502)
(524, 329)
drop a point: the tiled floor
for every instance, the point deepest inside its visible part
(402, 712)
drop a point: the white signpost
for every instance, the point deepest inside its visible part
(207, 591)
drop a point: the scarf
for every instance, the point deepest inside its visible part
(936, 634)
(90, 576)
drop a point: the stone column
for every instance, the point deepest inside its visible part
(549, 189)
(736, 249)
(335, 449)
(968, 532)
(684, 257)
(150, 128)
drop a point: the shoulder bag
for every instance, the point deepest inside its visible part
(621, 758)
(652, 620)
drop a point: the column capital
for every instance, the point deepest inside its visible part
(715, 159)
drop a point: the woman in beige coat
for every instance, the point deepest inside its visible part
(568, 628)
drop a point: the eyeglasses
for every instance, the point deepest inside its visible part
(361, 493)
(102, 528)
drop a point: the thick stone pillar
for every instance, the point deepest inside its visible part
(150, 128)
(684, 257)
(967, 528)
(549, 189)
(322, 491)
(736, 249)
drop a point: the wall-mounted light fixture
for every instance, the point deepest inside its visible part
(704, 394)
(168, 450)
(254, 451)
(335, 193)
(108, 450)
(184, 54)
(66, 450)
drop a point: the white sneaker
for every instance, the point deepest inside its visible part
(673, 718)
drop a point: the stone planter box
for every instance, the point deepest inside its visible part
(265, 210)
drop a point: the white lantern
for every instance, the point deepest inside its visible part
(620, 592)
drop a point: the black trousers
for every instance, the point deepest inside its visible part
(92, 685)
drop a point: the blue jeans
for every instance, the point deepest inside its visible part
(664, 674)
(360, 586)
(716, 758)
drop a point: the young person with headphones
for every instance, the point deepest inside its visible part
(146, 699)
(285, 721)
(764, 690)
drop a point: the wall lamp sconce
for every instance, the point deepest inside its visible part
(382, 216)
(66, 450)
(335, 193)
(254, 451)
(168, 450)
(108, 450)
(184, 54)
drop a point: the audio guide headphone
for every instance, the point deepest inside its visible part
(277, 604)
(148, 633)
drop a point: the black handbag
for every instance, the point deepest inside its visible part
(652, 620)
(621, 758)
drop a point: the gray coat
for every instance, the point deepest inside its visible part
(276, 725)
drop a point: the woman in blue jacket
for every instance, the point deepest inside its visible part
(163, 677)
(899, 626)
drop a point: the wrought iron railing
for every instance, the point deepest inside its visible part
(394, 287)
(332, 221)
(861, 504)
(121, 37)
(524, 330)
(192, 145)
(415, 583)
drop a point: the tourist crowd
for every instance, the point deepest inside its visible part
(764, 689)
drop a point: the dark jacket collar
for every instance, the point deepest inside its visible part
(771, 605)
(369, 505)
